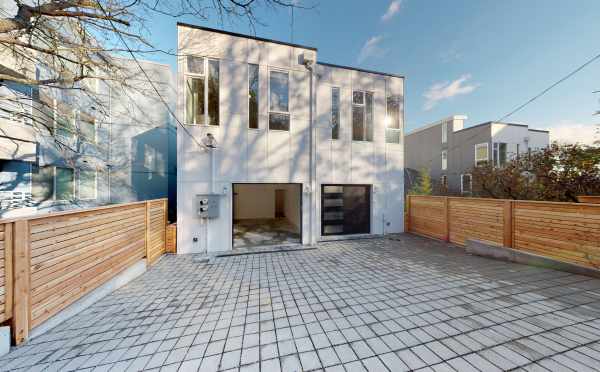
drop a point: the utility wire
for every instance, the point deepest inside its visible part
(549, 88)
(148, 78)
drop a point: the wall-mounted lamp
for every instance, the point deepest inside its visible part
(225, 190)
(210, 141)
(307, 189)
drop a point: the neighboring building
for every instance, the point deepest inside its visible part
(450, 151)
(283, 173)
(62, 151)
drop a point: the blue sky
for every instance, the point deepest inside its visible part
(480, 58)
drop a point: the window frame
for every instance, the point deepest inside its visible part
(400, 123)
(271, 70)
(79, 184)
(444, 132)
(444, 156)
(205, 76)
(462, 183)
(365, 115)
(444, 180)
(487, 152)
(496, 153)
(257, 96)
(339, 112)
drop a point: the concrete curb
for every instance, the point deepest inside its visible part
(485, 249)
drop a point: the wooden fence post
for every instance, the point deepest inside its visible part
(407, 222)
(447, 218)
(147, 231)
(508, 228)
(8, 270)
(22, 281)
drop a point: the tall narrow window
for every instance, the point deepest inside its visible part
(201, 91)
(253, 96)
(213, 92)
(393, 129)
(466, 185)
(64, 184)
(362, 116)
(444, 159)
(445, 132)
(42, 183)
(335, 113)
(87, 184)
(279, 115)
(194, 101)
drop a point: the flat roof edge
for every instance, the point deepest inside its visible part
(183, 24)
(431, 125)
(360, 70)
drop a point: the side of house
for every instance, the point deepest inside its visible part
(449, 150)
(66, 149)
(273, 166)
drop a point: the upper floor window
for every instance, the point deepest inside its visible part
(444, 159)
(481, 153)
(362, 116)
(335, 113)
(393, 127)
(202, 91)
(279, 97)
(445, 132)
(500, 152)
(253, 96)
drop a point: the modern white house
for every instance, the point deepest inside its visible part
(277, 148)
(449, 150)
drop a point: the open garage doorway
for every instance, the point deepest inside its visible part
(266, 214)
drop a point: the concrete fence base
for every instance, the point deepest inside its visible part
(486, 249)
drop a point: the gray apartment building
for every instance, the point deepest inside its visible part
(450, 151)
(59, 149)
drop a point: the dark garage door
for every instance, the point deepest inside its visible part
(345, 209)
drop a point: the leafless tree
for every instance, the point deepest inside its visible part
(67, 45)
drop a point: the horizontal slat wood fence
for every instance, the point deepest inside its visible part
(57, 258)
(568, 232)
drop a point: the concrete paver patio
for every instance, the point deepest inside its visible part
(376, 305)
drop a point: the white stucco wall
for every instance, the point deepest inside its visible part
(263, 156)
(521, 135)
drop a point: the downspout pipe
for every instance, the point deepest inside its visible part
(313, 161)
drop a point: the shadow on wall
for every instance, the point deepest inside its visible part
(149, 164)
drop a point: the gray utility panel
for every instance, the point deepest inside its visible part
(208, 205)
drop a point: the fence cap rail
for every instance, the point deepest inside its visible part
(520, 201)
(75, 211)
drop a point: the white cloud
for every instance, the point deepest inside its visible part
(446, 90)
(371, 49)
(391, 10)
(571, 132)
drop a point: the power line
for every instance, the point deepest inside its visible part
(148, 78)
(549, 88)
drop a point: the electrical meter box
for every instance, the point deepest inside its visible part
(207, 205)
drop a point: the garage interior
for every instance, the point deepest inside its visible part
(267, 214)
